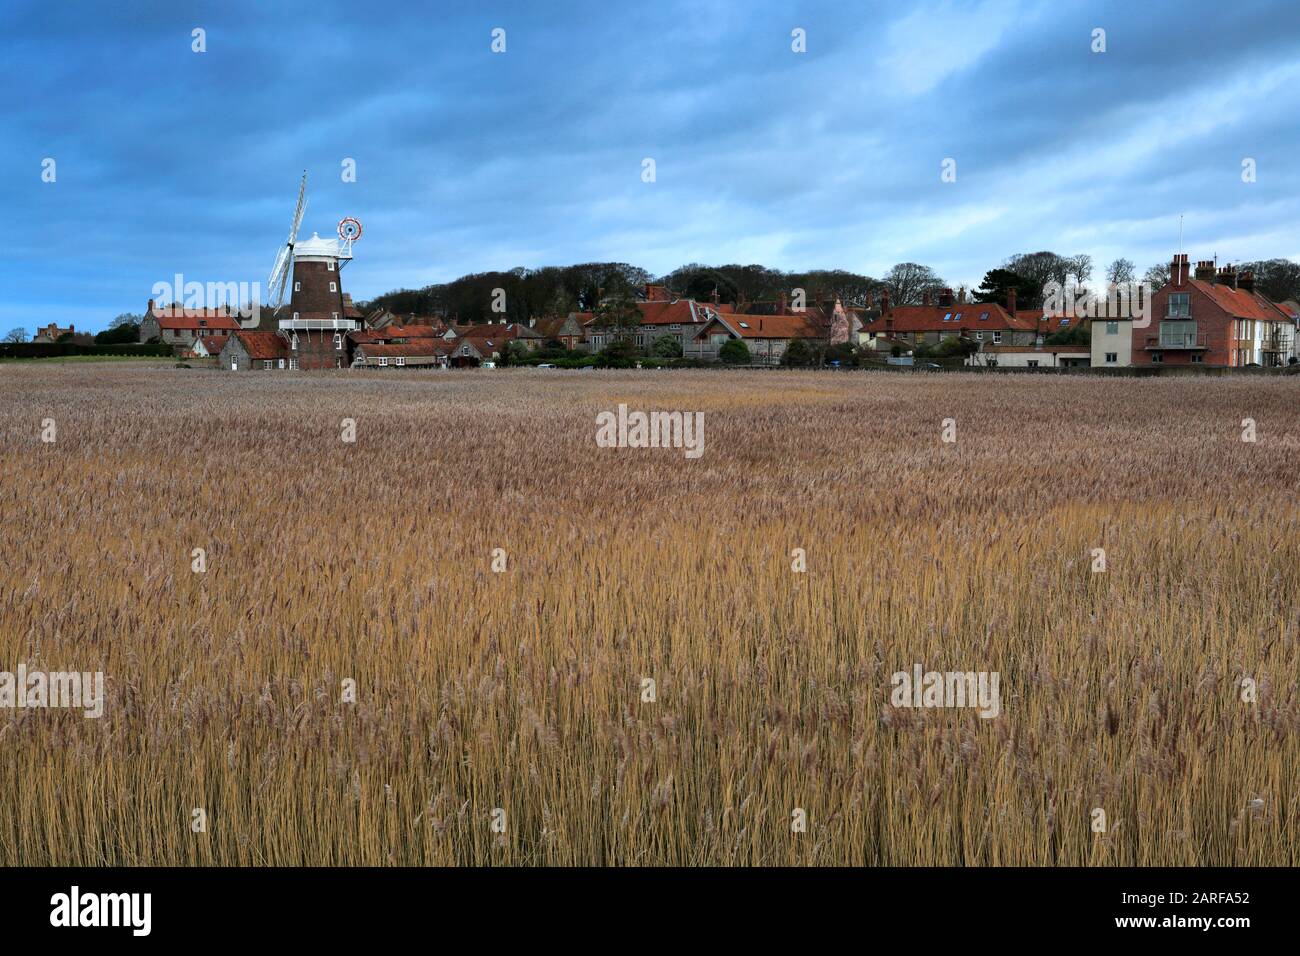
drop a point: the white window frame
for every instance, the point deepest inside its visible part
(293, 342)
(334, 287)
(295, 316)
(338, 340)
(297, 287)
(281, 364)
(293, 364)
(383, 361)
(268, 363)
(997, 338)
(401, 360)
(330, 265)
(1112, 358)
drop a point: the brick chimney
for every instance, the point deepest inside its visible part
(1205, 270)
(884, 301)
(150, 309)
(1228, 276)
(945, 298)
(925, 297)
(1011, 300)
(868, 302)
(1246, 281)
(783, 303)
(1178, 271)
(961, 295)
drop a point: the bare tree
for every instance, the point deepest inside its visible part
(908, 281)
(15, 336)
(1121, 271)
(1157, 276)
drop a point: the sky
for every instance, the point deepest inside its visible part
(167, 160)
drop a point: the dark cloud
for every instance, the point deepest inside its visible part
(172, 161)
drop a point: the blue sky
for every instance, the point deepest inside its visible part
(467, 160)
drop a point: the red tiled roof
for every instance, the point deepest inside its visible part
(263, 345)
(395, 331)
(1239, 303)
(929, 318)
(214, 343)
(767, 326)
(426, 347)
(194, 319)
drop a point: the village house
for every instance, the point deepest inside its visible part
(1214, 318)
(52, 333)
(568, 331)
(180, 327)
(208, 346)
(429, 352)
(766, 336)
(249, 350)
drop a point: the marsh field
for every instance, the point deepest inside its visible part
(358, 675)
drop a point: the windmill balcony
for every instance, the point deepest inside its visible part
(319, 325)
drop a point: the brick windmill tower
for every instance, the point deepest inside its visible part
(319, 316)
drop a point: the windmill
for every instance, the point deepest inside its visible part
(284, 261)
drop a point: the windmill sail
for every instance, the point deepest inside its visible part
(283, 268)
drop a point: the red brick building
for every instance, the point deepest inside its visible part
(1212, 317)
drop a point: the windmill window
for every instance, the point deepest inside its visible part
(330, 264)
(336, 316)
(293, 343)
(338, 341)
(295, 316)
(297, 287)
(334, 287)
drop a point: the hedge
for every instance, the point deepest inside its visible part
(54, 349)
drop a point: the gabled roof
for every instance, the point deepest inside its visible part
(765, 326)
(212, 344)
(262, 345)
(1239, 303)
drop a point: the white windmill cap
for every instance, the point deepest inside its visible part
(316, 246)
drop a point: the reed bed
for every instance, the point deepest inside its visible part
(516, 697)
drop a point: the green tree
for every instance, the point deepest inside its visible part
(797, 354)
(667, 346)
(734, 352)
